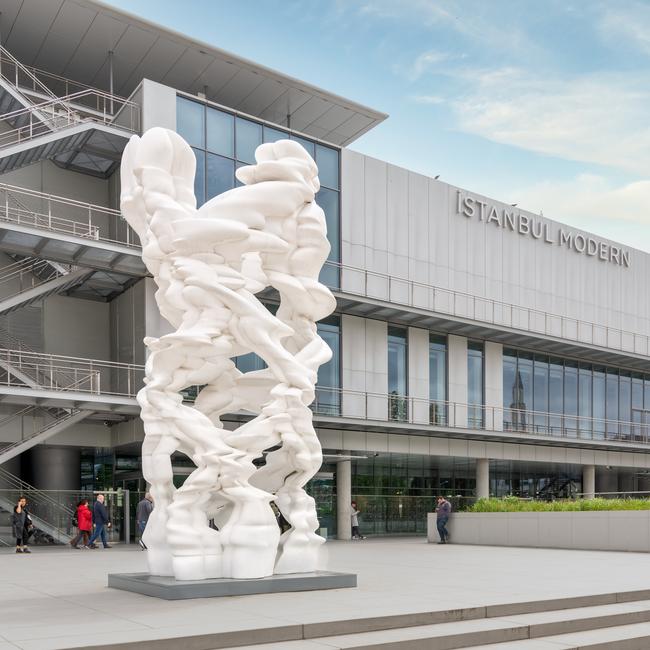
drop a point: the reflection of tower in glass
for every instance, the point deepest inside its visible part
(518, 406)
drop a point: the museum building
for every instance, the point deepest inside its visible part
(478, 348)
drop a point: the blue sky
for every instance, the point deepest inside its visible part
(543, 104)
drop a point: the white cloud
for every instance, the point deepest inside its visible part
(428, 99)
(600, 118)
(625, 25)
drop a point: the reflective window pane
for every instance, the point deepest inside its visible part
(220, 175)
(328, 396)
(273, 135)
(510, 413)
(625, 403)
(540, 394)
(599, 399)
(220, 130)
(329, 202)
(556, 396)
(397, 373)
(585, 388)
(612, 403)
(571, 398)
(199, 179)
(327, 160)
(307, 144)
(437, 379)
(248, 136)
(190, 121)
(249, 362)
(475, 391)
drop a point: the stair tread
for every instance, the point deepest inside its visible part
(574, 640)
(458, 628)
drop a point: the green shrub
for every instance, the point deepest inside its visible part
(513, 504)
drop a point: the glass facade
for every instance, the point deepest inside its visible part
(475, 385)
(397, 373)
(437, 379)
(534, 480)
(565, 397)
(223, 142)
(395, 491)
(328, 386)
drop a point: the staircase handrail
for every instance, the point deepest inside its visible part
(34, 72)
(16, 483)
(48, 426)
(31, 265)
(65, 101)
(4, 53)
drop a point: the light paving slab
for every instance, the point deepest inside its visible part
(54, 590)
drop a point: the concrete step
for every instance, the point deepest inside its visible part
(510, 631)
(623, 637)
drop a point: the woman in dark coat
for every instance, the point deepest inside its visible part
(20, 524)
(85, 524)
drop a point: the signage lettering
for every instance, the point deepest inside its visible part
(537, 229)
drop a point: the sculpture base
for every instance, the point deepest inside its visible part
(171, 589)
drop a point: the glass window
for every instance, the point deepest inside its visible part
(199, 179)
(570, 398)
(540, 394)
(598, 402)
(329, 202)
(397, 373)
(437, 379)
(328, 166)
(625, 402)
(637, 405)
(248, 137)
(328, 396)
(220, 132)
(307, 144)
(475, 393)
(510, 396)
(584, 400)
(273, 135)
(249, 362)
(612, 403)
(190, 121)
(525, 379)
(220, 175)
(556, 396)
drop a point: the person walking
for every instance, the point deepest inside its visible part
(354, 514)
(443, 510)
(21, 522)
(84, 525)
(102, 522)
(142, 513)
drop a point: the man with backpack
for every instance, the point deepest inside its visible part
(443, 510)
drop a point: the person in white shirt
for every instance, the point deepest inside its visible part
(355, 521)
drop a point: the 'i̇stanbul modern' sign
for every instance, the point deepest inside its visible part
(542, 230)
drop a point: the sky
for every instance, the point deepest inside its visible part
(543, 104)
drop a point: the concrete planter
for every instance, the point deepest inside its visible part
(608, 530)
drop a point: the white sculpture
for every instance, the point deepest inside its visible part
(209, 264)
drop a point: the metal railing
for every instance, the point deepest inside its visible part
(30, 273)
(25, 207)
(29, 79)
(55, 114)
(71, 374)
(380, 407)
(410, 293)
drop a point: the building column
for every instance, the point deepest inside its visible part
(494, 386)
(588, 481)
(482, 478)
(52, 468)
(343, 499)
(457, 372)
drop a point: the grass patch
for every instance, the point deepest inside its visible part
(513, 504)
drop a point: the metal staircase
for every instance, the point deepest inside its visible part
(38, 280)
(51, 518)
(85, 130)
(51, 429)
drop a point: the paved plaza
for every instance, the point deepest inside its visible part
(57, 598)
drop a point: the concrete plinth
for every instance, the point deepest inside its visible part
(171, 589)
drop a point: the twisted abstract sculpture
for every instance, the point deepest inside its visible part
(209, 264)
